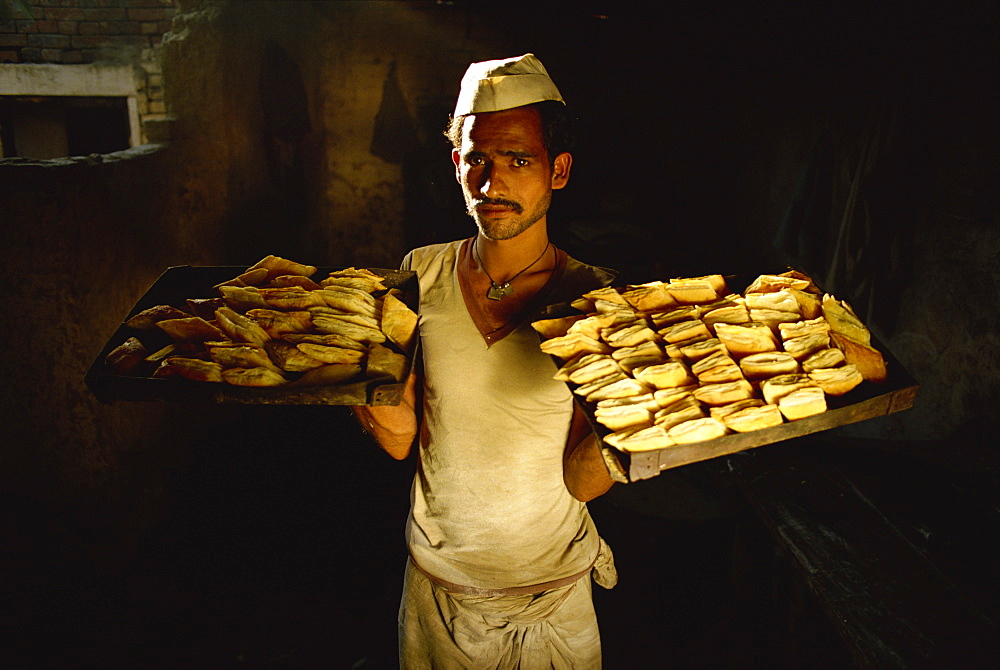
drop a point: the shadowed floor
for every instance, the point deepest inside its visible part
(283, 547)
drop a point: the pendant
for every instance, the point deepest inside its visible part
(499, 292)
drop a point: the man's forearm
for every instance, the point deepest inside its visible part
(394, 427)
(584, 471)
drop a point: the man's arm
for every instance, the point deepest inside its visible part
(584, 471)
(393, 426)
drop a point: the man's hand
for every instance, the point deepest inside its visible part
(393, 426)
(584, 471)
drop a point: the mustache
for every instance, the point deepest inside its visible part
(502, 202)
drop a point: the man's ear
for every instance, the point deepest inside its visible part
(560, 170)
(456, 158)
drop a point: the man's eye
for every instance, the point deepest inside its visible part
(520, 162)
(475, 160)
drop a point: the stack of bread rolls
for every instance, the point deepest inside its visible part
(273, 325)
(687, 360)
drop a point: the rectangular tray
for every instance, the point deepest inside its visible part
(181, 282)
(866, 401)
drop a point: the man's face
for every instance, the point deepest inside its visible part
(505, 172)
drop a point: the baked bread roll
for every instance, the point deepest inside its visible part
(592, 325)
(645, 439)
(805, 346)
(276, 323)
(194, 369)
(290, 358)
(773, 317)
(597, 367)
(549, 328)
(711, 361)
(723, 393)
(697, 430)
(695, 291)
(810, 304)
(722, 411)
(844, 321)
(148, 318)
(663, 319)
(781, 300)
(695, 351)
(735, 314)
(382, 362)
(291, 297)
(629, 336)
(774, 388)
(650, 297)
(743, 340)
(277, 266)
(804, 327)
(330, 355)
(768, 364)
(252, 277)
(242, 298)
(624, 416)
(825, 358)
(767, 283)
(837, 381)
(242, 356)
(802, 402)
(123, 358)
(678, 412)
(669, 374)
(753, 418)
(399, 323)
(646, 400)
(868, 359)
(193, 328)
(666, 397)
(618, 389)
(683, 331)
(294, 280)
(572, 345)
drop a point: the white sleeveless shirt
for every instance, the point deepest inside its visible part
(489, 507)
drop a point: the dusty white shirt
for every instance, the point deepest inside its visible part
(489, 507)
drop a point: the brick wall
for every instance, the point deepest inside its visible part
(81, 31)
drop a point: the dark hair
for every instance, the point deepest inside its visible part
(558, 128)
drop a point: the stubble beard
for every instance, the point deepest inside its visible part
(507, 228)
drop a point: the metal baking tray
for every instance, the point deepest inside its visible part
(866, 401)
(181, 282)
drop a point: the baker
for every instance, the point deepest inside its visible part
(502, 547)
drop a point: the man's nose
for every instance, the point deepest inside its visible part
(492, 183)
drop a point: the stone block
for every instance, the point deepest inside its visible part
(49, 41)
(147, 14)
(52, 55)
(64, 14)
(13, 40)
(26, 27)
(9, 56)
(68, 27)
(88, 28)
(105, 14)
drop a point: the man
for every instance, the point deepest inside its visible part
(501, 543)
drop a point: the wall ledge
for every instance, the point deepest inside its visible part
(140, 151)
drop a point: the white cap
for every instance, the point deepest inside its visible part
(495, 85)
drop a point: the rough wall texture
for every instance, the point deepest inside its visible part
(81, 31)
(686, 129)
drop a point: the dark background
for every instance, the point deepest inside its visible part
(854, 140)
